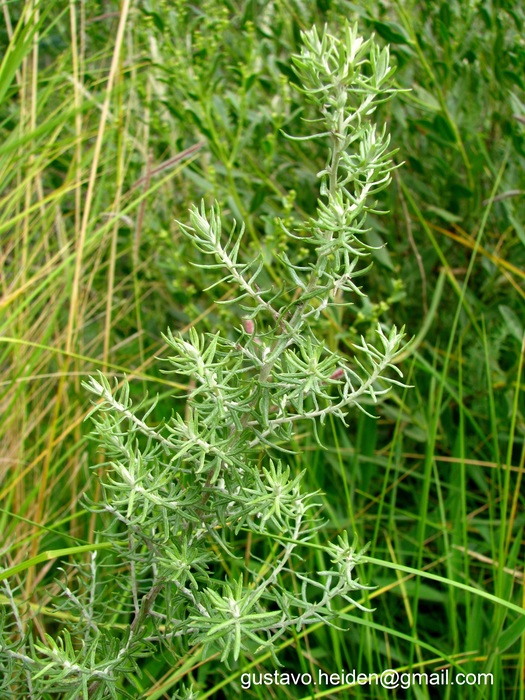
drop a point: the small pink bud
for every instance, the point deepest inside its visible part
(249, 325)
(339, 372)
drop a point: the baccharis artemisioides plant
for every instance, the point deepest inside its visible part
(200, 479)
(178, 495)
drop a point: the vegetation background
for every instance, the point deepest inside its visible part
(113, 120)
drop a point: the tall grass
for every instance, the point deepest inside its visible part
(95, 111)
(72, 255)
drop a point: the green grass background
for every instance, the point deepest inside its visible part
(101, 105)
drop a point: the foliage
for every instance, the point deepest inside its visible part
(113, 120)
(187, 486)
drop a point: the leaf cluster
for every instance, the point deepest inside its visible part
(177, 494)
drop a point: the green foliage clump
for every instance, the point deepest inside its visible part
(176, 495)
